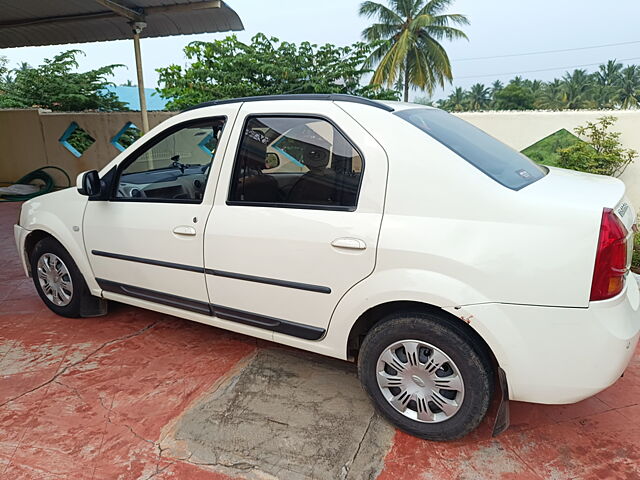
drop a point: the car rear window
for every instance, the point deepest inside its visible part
(497, 160)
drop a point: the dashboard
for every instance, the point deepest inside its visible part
(166, 183)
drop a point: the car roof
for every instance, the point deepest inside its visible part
(397, 106)
(332, 97)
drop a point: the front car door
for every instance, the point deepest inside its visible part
(296, 217)
(146, 240)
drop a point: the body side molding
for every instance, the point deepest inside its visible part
(294, 329)
(218, 273)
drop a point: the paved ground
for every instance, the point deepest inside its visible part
(139, 395)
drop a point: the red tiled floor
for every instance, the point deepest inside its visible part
(93, 398)
(88, 398)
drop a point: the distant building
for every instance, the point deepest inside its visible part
(129, 95)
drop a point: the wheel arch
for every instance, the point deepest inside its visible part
(376, 314)
(30, 242)
(70, 244)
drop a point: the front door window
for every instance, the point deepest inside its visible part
(175, 168)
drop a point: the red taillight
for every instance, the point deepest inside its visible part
(611, 258)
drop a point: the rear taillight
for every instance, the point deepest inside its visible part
(611, 258)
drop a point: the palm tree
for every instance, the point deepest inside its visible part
(551, 96)
(478, 97)
(628, 95)
(605, 84)
(407, 38)
(577, 88)
(456, 101)
(496, 86)
(608, 74)
(536, 87)
(518, 81)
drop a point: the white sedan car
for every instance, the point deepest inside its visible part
(448, 265)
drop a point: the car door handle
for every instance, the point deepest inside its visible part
(184, 230)
(349, 243)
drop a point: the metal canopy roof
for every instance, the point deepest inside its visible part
(26, 23)
(36, 22)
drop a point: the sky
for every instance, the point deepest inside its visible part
(498, 28)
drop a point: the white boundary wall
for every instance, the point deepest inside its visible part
(521, 129)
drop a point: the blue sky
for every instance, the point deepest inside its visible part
(498, 27)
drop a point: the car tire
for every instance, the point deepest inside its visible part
(429, 353)
(57, 279)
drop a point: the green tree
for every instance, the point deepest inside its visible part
(536, 87)
(456, 101)
(478, 97)
(628, 94)
(229, 68)
(608, 74)
(515, 96)
(577, 89)
(601, 153)
(5, 74)
(407, 36)
(496, 86)
(607, 83)
(612, 86)
(56, 86)
(552, 96)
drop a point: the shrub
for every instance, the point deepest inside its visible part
(602, 153)
(635, 261)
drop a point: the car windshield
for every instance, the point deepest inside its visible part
(499, 161)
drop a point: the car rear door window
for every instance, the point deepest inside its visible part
(497, 160)
(295, 162)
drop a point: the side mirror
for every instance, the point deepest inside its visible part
(272, 160)
(88, 183)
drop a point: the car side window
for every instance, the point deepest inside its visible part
(174, 167)
(295, 161)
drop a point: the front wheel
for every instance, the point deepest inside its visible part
(426, 376)
(57, 278)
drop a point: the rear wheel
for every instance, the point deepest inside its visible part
(57, 278)
(426, 376)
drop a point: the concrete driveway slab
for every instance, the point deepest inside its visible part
(287, 414)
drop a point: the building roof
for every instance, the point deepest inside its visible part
(52, 22)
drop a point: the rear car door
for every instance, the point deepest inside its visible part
(296, 216)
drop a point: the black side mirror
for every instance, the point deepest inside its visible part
(89, 183)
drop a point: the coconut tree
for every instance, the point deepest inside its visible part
(551, 96)
(478, 97)
(407, 36)
(518, 81)
(608, 74)
(606, 83)
(536, 87)
(628, 94)
(577, 89)
(496, 86)
(456, 101)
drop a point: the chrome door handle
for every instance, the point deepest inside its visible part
(349, 243)
(184, 230)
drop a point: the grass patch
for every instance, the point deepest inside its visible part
(545, 151)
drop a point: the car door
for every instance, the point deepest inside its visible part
(146, 240)
(280, 251)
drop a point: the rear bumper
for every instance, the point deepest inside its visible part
(561, 355)
(20, 234)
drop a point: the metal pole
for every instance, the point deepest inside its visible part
(137, 28)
